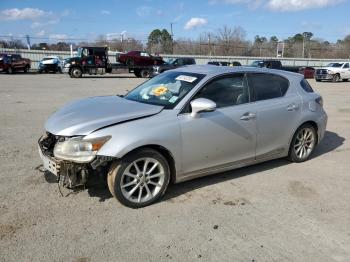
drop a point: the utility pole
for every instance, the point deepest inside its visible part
(209, 45)
(172, 38)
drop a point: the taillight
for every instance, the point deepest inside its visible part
(319, 100)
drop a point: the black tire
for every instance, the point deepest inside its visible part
(336, 78)
(130, 62)
(318, 80)
(115, 176)
(345, 80)
(137, 73)
(145, 73)
(26, 69)
(292, 156)
(76, 72)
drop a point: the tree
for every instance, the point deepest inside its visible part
(159, 41)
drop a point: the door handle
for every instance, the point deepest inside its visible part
(292, 107)
(248, 116)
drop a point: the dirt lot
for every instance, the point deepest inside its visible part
(276, 211)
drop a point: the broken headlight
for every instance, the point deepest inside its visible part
(78, 149)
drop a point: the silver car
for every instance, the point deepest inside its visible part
(182, 124)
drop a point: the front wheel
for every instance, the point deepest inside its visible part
(76, 72)
(336, 78)
(139, 179)
(303, 143)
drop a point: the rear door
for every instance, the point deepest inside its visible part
(278, 109)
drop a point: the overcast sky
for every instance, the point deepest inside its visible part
(82, 19)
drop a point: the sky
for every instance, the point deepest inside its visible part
(45, 20)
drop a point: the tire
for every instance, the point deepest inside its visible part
(336, 78)
(76, 72)
(345, 80)
(10, 70)
(26, 69)
(145, 73)
(318, 80)
(137, 73)
(130, 62)
(145, 187)
(303, 143)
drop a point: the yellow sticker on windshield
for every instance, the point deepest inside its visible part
(158, 91)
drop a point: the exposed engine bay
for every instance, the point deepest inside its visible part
(71, 175)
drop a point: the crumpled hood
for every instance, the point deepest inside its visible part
(85, 116)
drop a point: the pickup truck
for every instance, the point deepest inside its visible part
(10, 63)
(172, 64)
(334, 72)
(275, 64)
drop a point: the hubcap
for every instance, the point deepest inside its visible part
(304, 143)
(76, 72)
(142, 180)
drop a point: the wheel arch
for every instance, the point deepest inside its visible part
(164, 152)
(310, 122)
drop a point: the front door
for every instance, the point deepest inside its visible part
(224, 136)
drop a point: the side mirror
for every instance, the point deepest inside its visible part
(202, 105)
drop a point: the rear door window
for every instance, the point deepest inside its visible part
(267, 86)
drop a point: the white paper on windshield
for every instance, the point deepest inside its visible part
(185, 78)
(173, 99)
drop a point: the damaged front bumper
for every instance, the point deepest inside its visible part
(69, 174)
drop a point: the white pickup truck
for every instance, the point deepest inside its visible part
(334, 71)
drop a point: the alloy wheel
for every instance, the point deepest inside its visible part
(304, 143)
(142, 180)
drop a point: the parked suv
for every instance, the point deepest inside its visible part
(334, 71)
(13, 62)
(172, 64)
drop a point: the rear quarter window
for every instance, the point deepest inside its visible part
(306, 86)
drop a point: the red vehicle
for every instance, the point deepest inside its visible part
(308, 72)
(14, 62)
(139, 58)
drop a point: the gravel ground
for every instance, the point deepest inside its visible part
(275, 211)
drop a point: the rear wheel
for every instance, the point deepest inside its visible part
(76, 72)
(145, 73)
(139, 179)
(303, 143)
(336, 78)
(137, 73)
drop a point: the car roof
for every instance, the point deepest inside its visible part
(50, 56)
(211, 70)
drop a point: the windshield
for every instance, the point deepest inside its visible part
(335, 65)
(257, 64)
(166, 89)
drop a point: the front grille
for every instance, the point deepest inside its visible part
(321, 71)
(47, 144)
